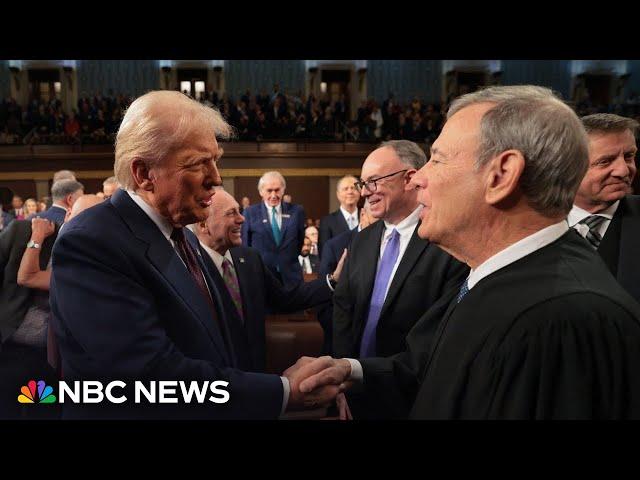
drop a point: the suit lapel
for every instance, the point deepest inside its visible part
(285, 208)
(368, 268)
(411, 255)
(245, 279)
(628, 272)
(164, 258)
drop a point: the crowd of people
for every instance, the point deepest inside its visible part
(255, 117)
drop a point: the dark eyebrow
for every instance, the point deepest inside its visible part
(435, 151)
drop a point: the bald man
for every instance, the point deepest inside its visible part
(246, 285)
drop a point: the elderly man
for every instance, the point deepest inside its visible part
(246, 286)
(539, 330)
(604, 210)
(276, 229)
(311, 232)
(346, 217)
(64, 193)
(130, 298)
(391, 275)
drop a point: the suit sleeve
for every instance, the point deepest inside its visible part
(300, 228)
(328, 261)
(106, 318)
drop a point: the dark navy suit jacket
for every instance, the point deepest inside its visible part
(260, 290)
(256, 233)
(125, 307)
(53, 214)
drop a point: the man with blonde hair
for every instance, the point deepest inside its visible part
(131, 299)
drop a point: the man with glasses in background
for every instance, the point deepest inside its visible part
(391, 276)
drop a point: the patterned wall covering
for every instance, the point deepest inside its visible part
(5, 79)
(134, 77)
(405, 78)
(259, 74)
(555, 74)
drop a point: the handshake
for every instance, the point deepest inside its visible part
(318, 382)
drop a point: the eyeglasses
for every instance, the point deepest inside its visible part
(371, 184)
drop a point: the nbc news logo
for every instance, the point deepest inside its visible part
(36, 392)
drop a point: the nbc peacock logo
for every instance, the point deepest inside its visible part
(36, 392)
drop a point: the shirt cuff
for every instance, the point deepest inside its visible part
(329, 282)
(286, 389)
(357, 374)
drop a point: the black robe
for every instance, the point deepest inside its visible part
(550, 336)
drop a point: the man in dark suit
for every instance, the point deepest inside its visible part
(346, 217)
(246, 286)
(391, 275)
(64, 193)
(6, 217)
(604, 211)
(275, 229)
(333, 251)
(540, 329)
(131, 300)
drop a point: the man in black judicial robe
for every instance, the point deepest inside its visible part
(540, 329)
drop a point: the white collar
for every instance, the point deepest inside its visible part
(577, 214)
(518, 250)
(162, 223)
(269, 207)
(407, 225)
(216, 257)
(346, 213)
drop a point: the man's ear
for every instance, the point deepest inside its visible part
(407, 180)
(201, 228)
(503, 176)
(142, 175)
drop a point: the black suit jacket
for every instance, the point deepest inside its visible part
(260, 291)
(550, 336)
(424, 274)
(14, 299)
(332, 225)
(620, 246)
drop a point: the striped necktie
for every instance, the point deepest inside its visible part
(593, 235)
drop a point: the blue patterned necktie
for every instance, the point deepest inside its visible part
(463, 290)
(383, 276)
(277, 236)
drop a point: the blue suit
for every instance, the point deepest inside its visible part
(125, 307)
(53, 214)
(7, 218)
(283, 258)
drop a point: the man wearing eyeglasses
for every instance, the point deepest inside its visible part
(391, 276)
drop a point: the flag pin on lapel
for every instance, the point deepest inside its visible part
(241, 260)
(264, 220)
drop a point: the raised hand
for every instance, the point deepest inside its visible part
(41, 228)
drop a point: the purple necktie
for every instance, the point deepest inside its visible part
(230, 279)
(383, 276)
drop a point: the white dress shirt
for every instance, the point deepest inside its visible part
(577, 214)
(305, 263)
(350, 218)
(512, 253)
(278, 214)
(217, 258)
(405, 228)
(166, 228)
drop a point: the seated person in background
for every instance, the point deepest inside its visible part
(308, 262)
(312, 234)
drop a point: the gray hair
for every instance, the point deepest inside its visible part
(272, 174)
(110, 181)
(344, 179)
(550, 136)
(609, 123)
(63, 175)
(155, 124)
(408, 152)
(62, 188)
